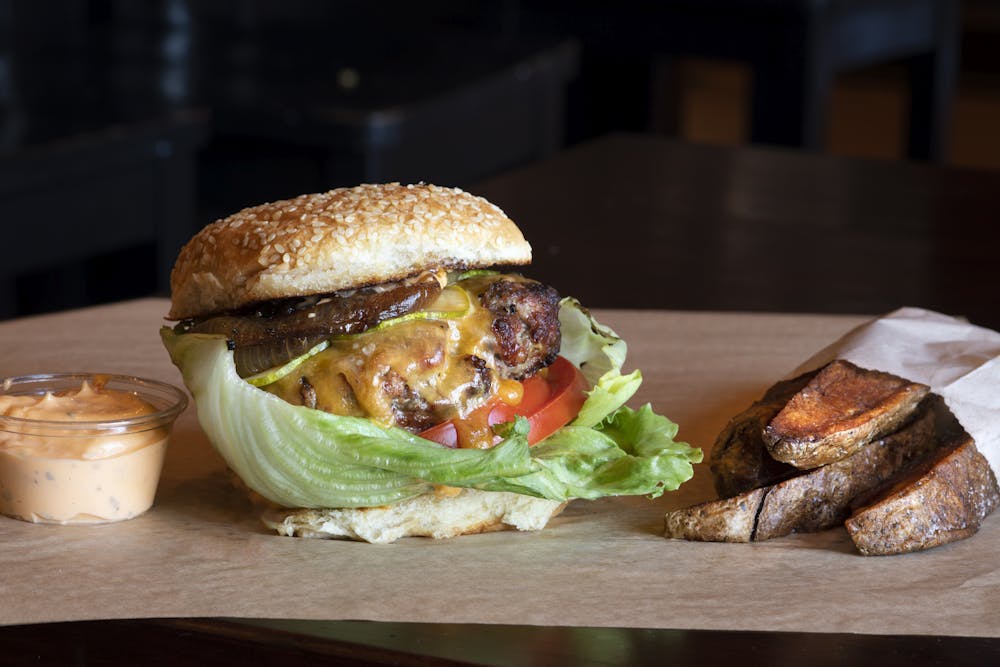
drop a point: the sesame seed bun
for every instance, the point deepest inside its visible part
(336, 240)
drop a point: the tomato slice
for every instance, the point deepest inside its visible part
(548, 404)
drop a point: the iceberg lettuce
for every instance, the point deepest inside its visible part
(300, 457)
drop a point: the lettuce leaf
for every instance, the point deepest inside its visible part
(599, 354)
(632, 453)
(299, 457)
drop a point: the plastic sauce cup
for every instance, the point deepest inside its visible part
(83, 447)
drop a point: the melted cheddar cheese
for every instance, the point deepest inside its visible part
(435, 368)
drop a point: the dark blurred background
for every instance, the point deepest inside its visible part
(127, 125)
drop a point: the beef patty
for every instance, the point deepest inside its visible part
(420, 371)
(526, 325)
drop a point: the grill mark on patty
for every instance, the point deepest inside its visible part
(409, 409)
(307, 392)
(483, 378)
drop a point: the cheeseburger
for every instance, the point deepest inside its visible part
(360, 361)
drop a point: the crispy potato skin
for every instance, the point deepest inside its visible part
(739, 459)
(946, 500)
(724, 520)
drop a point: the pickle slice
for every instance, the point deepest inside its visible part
(452, 303)
(274, 374)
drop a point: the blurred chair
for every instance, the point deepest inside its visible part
(794, 47)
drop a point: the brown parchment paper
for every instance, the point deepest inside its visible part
(201, 552)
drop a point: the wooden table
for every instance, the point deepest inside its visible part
(635, 205)
(641, 222)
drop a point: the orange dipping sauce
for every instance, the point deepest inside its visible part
(87, 454)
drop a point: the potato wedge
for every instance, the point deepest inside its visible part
(812, 501)
(739, 459)
(945, 500)
(840, 410)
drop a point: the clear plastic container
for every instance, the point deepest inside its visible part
(83, 447)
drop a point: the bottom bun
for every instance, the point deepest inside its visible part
(438, 515)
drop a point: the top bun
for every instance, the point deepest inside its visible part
(341, 239)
